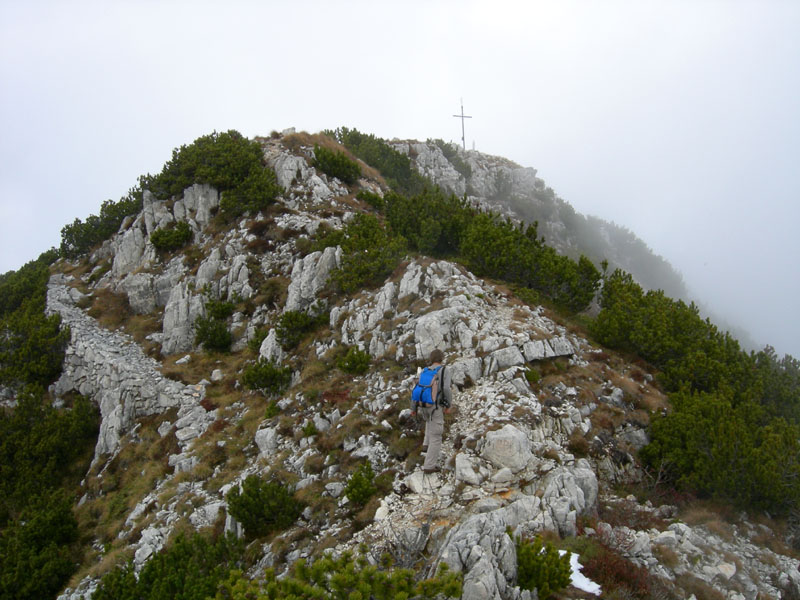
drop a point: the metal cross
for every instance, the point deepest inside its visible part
(462, 116)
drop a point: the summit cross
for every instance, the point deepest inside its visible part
(462, 116)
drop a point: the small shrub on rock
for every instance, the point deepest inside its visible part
(267, 377)
(540, 567)
(263, 506)
(171, 238)
(355, 362)
(294, 325)
(213, 334)
(361, 487)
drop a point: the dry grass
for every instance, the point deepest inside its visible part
(201, 365)
(714, 516)
(666, 556)
(127, 479)
(111, 310)
(699, 588)
(608, 417)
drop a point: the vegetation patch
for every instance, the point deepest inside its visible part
(191, 568)
(267, 377)
(336, 164)
(540, 567)
(263, 507)
(330, 578)
(168, 239)
(355, 361)
(294, 325)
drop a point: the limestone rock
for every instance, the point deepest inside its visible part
(309, 276)
(181, 312)
(141, 296)
(508, 447)
(270, 349)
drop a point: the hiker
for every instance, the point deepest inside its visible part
(433, 412)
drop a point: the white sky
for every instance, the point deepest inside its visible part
(679, 120)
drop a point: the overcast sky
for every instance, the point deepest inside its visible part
(678, 120)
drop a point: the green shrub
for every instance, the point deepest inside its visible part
(355, 362)
(267, 377)
(273, 410)
(263, 506)
(532, 375)
(172, 238)
(219, 309)
(330, 578)
(258, 190)
(336, 164)
(255, 343)
(540, 567)
(394, 166)
(31, 344)
(80, 237)
(226, 161)
(371, 198)
(213, 334)
(44, 452)
(370, 254)
(293, 325)
(190, 568)
(360, 486)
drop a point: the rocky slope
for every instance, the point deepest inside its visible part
(544, 433)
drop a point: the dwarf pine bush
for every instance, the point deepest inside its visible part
(540, 567)
(263, 506)
(266, 376)
(361, 487)
(355, 362)
(294, 325)
(171, 238)
(336, 164)
(213, 334)
(345, 576)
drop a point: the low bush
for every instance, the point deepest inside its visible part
(219, 309)
(190, 568)
(361, 486)
(614, 572)
(336, 164)
(171, 238)
(293, 325)
(370, 254)
(267, 377)
(330, 578)
(213, 334)
(371, 198)
(81, 236)
(263, 507)
(355, 362)
(227, 161)
(540, 567)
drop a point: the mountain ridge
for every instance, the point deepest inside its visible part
(547, 423)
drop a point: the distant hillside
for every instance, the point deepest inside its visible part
(500, 185)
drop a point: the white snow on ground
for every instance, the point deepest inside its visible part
(579, 580)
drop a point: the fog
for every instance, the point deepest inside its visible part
(677, 120)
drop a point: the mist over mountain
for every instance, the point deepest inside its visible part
(206, 390)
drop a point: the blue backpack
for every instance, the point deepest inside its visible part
(427, 389)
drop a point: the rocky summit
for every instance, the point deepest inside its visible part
(543, 437)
